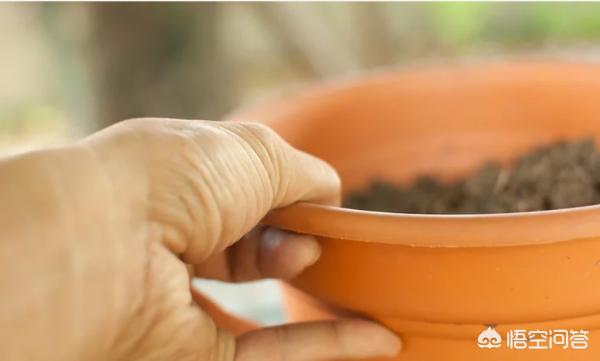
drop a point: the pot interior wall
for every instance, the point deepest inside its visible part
(445, 122)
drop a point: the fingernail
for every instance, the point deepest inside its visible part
(285, 254)
(272, 238)
(385, 342)
(376, 340)
(392, 343)
(310, 250)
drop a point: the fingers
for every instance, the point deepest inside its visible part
(262, 253)
(295, 175)
(325, 340)
(314, 179)
(203, 185)
(243, 170)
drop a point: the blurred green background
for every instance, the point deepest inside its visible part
(69, 68)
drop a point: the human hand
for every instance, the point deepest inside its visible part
(194, 192)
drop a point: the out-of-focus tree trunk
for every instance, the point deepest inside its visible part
(159, 59)
(306, 38)
(376, 44)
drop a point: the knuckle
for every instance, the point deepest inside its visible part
(263, 133)
(271, 150)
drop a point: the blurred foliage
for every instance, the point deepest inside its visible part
(86, 65)
(469, 25)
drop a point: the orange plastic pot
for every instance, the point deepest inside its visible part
(441, 280)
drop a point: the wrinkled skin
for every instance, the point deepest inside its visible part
(100, 238)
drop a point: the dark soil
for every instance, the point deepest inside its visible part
(562, 175)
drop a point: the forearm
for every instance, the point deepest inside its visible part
(53, 232)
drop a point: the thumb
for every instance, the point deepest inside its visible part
(322, 340)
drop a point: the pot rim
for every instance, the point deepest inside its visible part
(431, 230)
(439, 230)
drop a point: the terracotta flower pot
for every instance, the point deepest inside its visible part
(443, 281)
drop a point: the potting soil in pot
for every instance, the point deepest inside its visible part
(562, 175)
